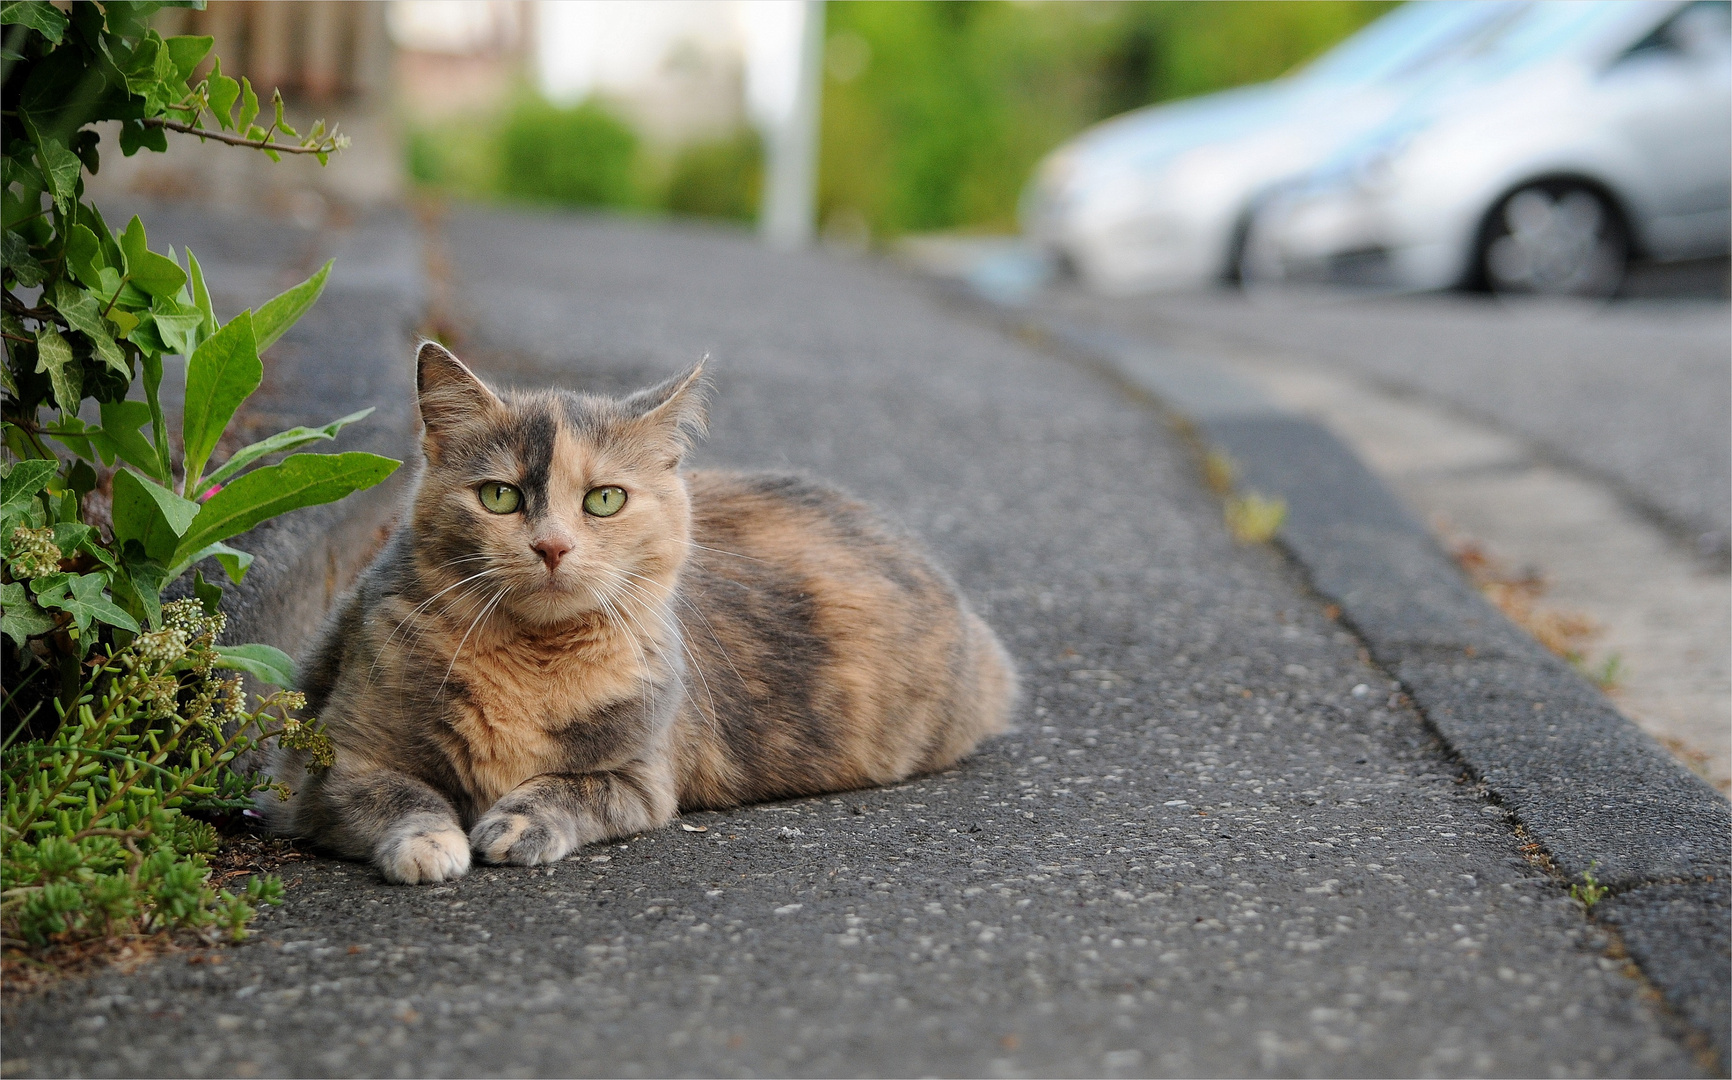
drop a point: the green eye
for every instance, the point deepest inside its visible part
(501, 498)
(604, 501)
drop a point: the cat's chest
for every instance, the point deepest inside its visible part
(522, 702)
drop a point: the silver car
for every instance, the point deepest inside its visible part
(1161, 197)
(1581, 136)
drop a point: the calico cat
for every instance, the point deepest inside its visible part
(569, 639)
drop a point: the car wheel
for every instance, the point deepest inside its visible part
(1554, 239)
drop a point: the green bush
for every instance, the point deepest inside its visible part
(578, 155)
(719, 179)
(116, 721)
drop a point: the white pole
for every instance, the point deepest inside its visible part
(791, 171)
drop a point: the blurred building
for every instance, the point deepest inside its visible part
(333, 60)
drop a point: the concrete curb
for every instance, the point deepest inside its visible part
(1595, 792)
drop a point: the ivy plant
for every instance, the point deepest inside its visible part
(108, 493)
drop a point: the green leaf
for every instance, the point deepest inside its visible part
(54, 356)
(20, 262)
(61, 168)
(38, 15)
(185, 53)
(201, 300)
(210, 597)
(120, 423)
(301, 480)
(260, 661)
(84, 257)
(219, 376)
(177, 324)
(281, 311)
(20, 618)
(282, 441)
(81, 597)
(280, 124)
(249, 105)
(138, 587)
(151, 514)
(83, 313)
(23, 482)
(223, 92)
(234, 561)
(156, 274)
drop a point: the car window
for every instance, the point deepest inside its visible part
(1411, 37)
(1702, 28)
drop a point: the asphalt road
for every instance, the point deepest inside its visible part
(1637, 393)
(1217, 844)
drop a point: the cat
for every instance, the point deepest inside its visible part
(570, 639)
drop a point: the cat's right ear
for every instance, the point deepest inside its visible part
(450, 395)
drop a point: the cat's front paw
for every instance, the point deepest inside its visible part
(509, 836)
(425, 855)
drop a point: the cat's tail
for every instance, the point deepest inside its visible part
(986, 697)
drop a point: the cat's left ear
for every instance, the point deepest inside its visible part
(678, 409)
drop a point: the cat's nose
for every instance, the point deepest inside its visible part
(551, 549)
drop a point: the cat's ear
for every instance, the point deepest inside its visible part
(449, 394)
(677, 410)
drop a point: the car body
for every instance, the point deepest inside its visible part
(1160, 197)
(1584, 135)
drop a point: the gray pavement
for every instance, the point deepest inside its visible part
(1221, 842)
(1637, 392)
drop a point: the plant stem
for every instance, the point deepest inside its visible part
(236, 140)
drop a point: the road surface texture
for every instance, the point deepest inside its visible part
(1218, 843)
(1636, 392)
(1409, 383)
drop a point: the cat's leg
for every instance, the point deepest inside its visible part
(547, 817)
(406, 828)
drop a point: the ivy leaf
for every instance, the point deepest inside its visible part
(185, 53)
(249, 106)
(281, 124)
(260, 661)
(301, 480)
(61, 168)
(219, 376)
(81, 597)
(121, 421)
(84, 258)
(177, 323)
(38, 15)
(281, 311)
(20, 618)
(155, 274)
(54, 357)
(23, 482)
(223, 92)
(83, 313)
(20, 262)
(151, 514)
(282, 441)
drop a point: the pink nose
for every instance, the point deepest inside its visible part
(551, 549)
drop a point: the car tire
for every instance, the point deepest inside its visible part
(1554, 238)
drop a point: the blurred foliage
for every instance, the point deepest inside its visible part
(719, 179)
(935, 113)
(585, 154)
(580, 155)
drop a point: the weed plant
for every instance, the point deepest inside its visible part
(125, 722)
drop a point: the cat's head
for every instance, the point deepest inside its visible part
(565, 504)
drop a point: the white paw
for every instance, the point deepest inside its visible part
(424, 856)
(502, 836)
